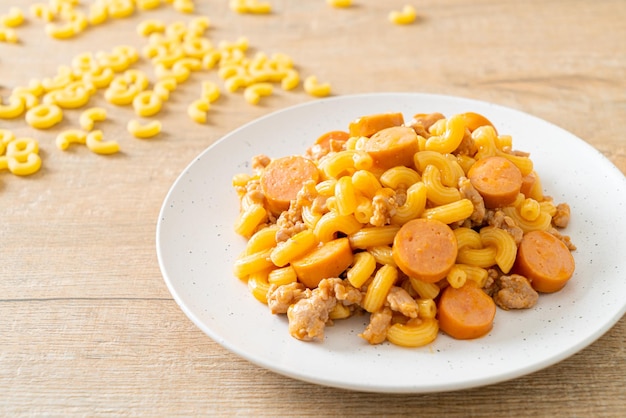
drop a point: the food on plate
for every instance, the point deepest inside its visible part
(426, 225)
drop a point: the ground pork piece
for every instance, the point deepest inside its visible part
(422, 122)
(376, 330)
(562, 215)
(384, 207)
(490, 286)
(565, 238)
(316, 151)
(346, 293)
(290, 221)
(514, 292)
(308, 316)
(399, 300)
(279, 298)
(469, 192)
(259, 163)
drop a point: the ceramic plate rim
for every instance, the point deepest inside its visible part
(172, 259)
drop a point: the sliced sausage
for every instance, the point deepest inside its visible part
(425, 249)
(283, 178)
(324, 262)
(391, 147)
(545, 260)
(497, 180)
(369, 125)
(466, 312)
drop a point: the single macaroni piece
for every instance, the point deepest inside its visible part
(210, 91)
(406, 16)
(117, 62)
(373, 236)
(61, 31)
(331, 223)
(95, 142)
(263, 239)
(148, 4)
(296, 246)
(44, 116)
(314, 88)
(13, 109)
(504, 243)
(450, 212)
(363, 266)
(22, 156)
(252, 94)
(198, 110)
(71, 136)
(148, 27)
(290, 80)
(339, 3)
(100, 77)
(120, 9)
(377, 291)
(143, 131)
(424, 290)
(282, 276)
(259, 286)
(437, 192)
(418, 335)
(184, 6)
(8, 35)
(180, 73)
(250, 6)
(164, 87)
(476, 274)
(98, 13)
(147, 103)
(91, 115)
(14, 18)
(456, 277)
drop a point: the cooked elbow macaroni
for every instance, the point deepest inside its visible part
(356, 200)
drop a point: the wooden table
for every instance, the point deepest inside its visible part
(88, 327)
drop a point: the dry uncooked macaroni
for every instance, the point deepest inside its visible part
(332, 232)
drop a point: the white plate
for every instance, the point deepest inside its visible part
(196, 248)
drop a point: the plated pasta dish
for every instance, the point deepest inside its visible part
(426, 225)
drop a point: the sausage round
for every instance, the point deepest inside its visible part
(467, 312)
(391, 147)
(283, 178)
(425, 249)
(545, 260)
(370, 124)
(497, 180)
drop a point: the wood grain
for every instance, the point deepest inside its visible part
(87, 325)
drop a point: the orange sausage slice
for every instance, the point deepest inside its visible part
(327, 261)
(497, 180)
(369, 125)
(425, 249)
(545, 260)
(391, 147)
(467, 312)
(283, 178)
